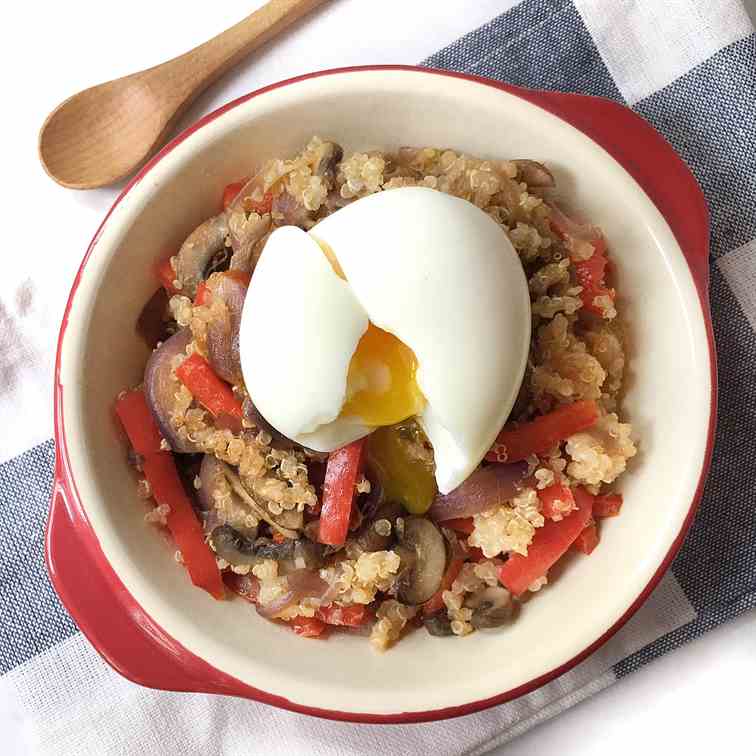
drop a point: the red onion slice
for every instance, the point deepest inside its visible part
(485, 488)
(570, 228)
(302, 584)
(223, 332)
(307, 583)
(271, 610)
(160, 386)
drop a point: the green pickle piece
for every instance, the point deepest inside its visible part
(403, 466)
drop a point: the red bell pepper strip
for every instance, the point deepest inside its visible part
(202, 296)
(607, 505)
(231, 191)
(167, 488)
(460, 525)
(308, 627)
(341, 474)
(346, 616)
(540, 434)
(556, 500)
(436, 602)
(137, 421)
(265, 205)
(167, 275)
(209, 390)
(590, 275)
(588, 539)
(549, 544)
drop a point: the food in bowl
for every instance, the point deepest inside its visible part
(385, 392)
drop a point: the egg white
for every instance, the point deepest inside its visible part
(432, 269)
(300, 327)
(443, 277)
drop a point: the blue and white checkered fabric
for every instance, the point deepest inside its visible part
(689, 68)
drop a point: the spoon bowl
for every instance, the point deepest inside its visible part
(104, 133)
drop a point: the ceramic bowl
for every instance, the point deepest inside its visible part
(118, 577)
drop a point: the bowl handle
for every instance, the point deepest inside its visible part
(651, 161)
(106, 613)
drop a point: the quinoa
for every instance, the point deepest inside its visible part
(356, 581)
(600, 453)
(391, 618)
(577, 352)
(508, 527)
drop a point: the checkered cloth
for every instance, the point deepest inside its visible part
(687, 67)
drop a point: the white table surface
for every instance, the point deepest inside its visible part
(696, 700)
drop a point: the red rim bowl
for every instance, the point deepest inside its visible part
(115, 623)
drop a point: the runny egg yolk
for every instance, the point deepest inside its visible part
(381, 385)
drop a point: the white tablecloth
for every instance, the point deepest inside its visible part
(53, 49)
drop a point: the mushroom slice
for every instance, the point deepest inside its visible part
(438, 624)
(536, 175)
(213, 485)
(259, 511)
(423, 553)
(197, 251)
(330, 156)
(492, 607)
(302, 553)
(229, 544)
(161, 385)
(370, 538)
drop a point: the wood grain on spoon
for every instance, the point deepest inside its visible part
(103, 133)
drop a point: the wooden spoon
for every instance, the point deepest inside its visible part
(103, 133)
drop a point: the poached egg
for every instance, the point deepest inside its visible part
(407, 302)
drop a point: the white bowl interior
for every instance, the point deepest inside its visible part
(667, 401)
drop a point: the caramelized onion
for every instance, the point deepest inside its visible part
(485, 488)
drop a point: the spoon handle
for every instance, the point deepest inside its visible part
(189, 74)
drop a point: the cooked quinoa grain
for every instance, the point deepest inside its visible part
(265, 492)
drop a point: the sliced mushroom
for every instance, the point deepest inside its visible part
(370, 539)
(330, 156)
(370, 503)
(302, 553)
(228, 294)
(229, 544)
(492, 607)
(536, 175)
(423, 553)
(213, 484)
(438, 624)
(292, 519)
(161, 385)
(259, 511)
(198, 250)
